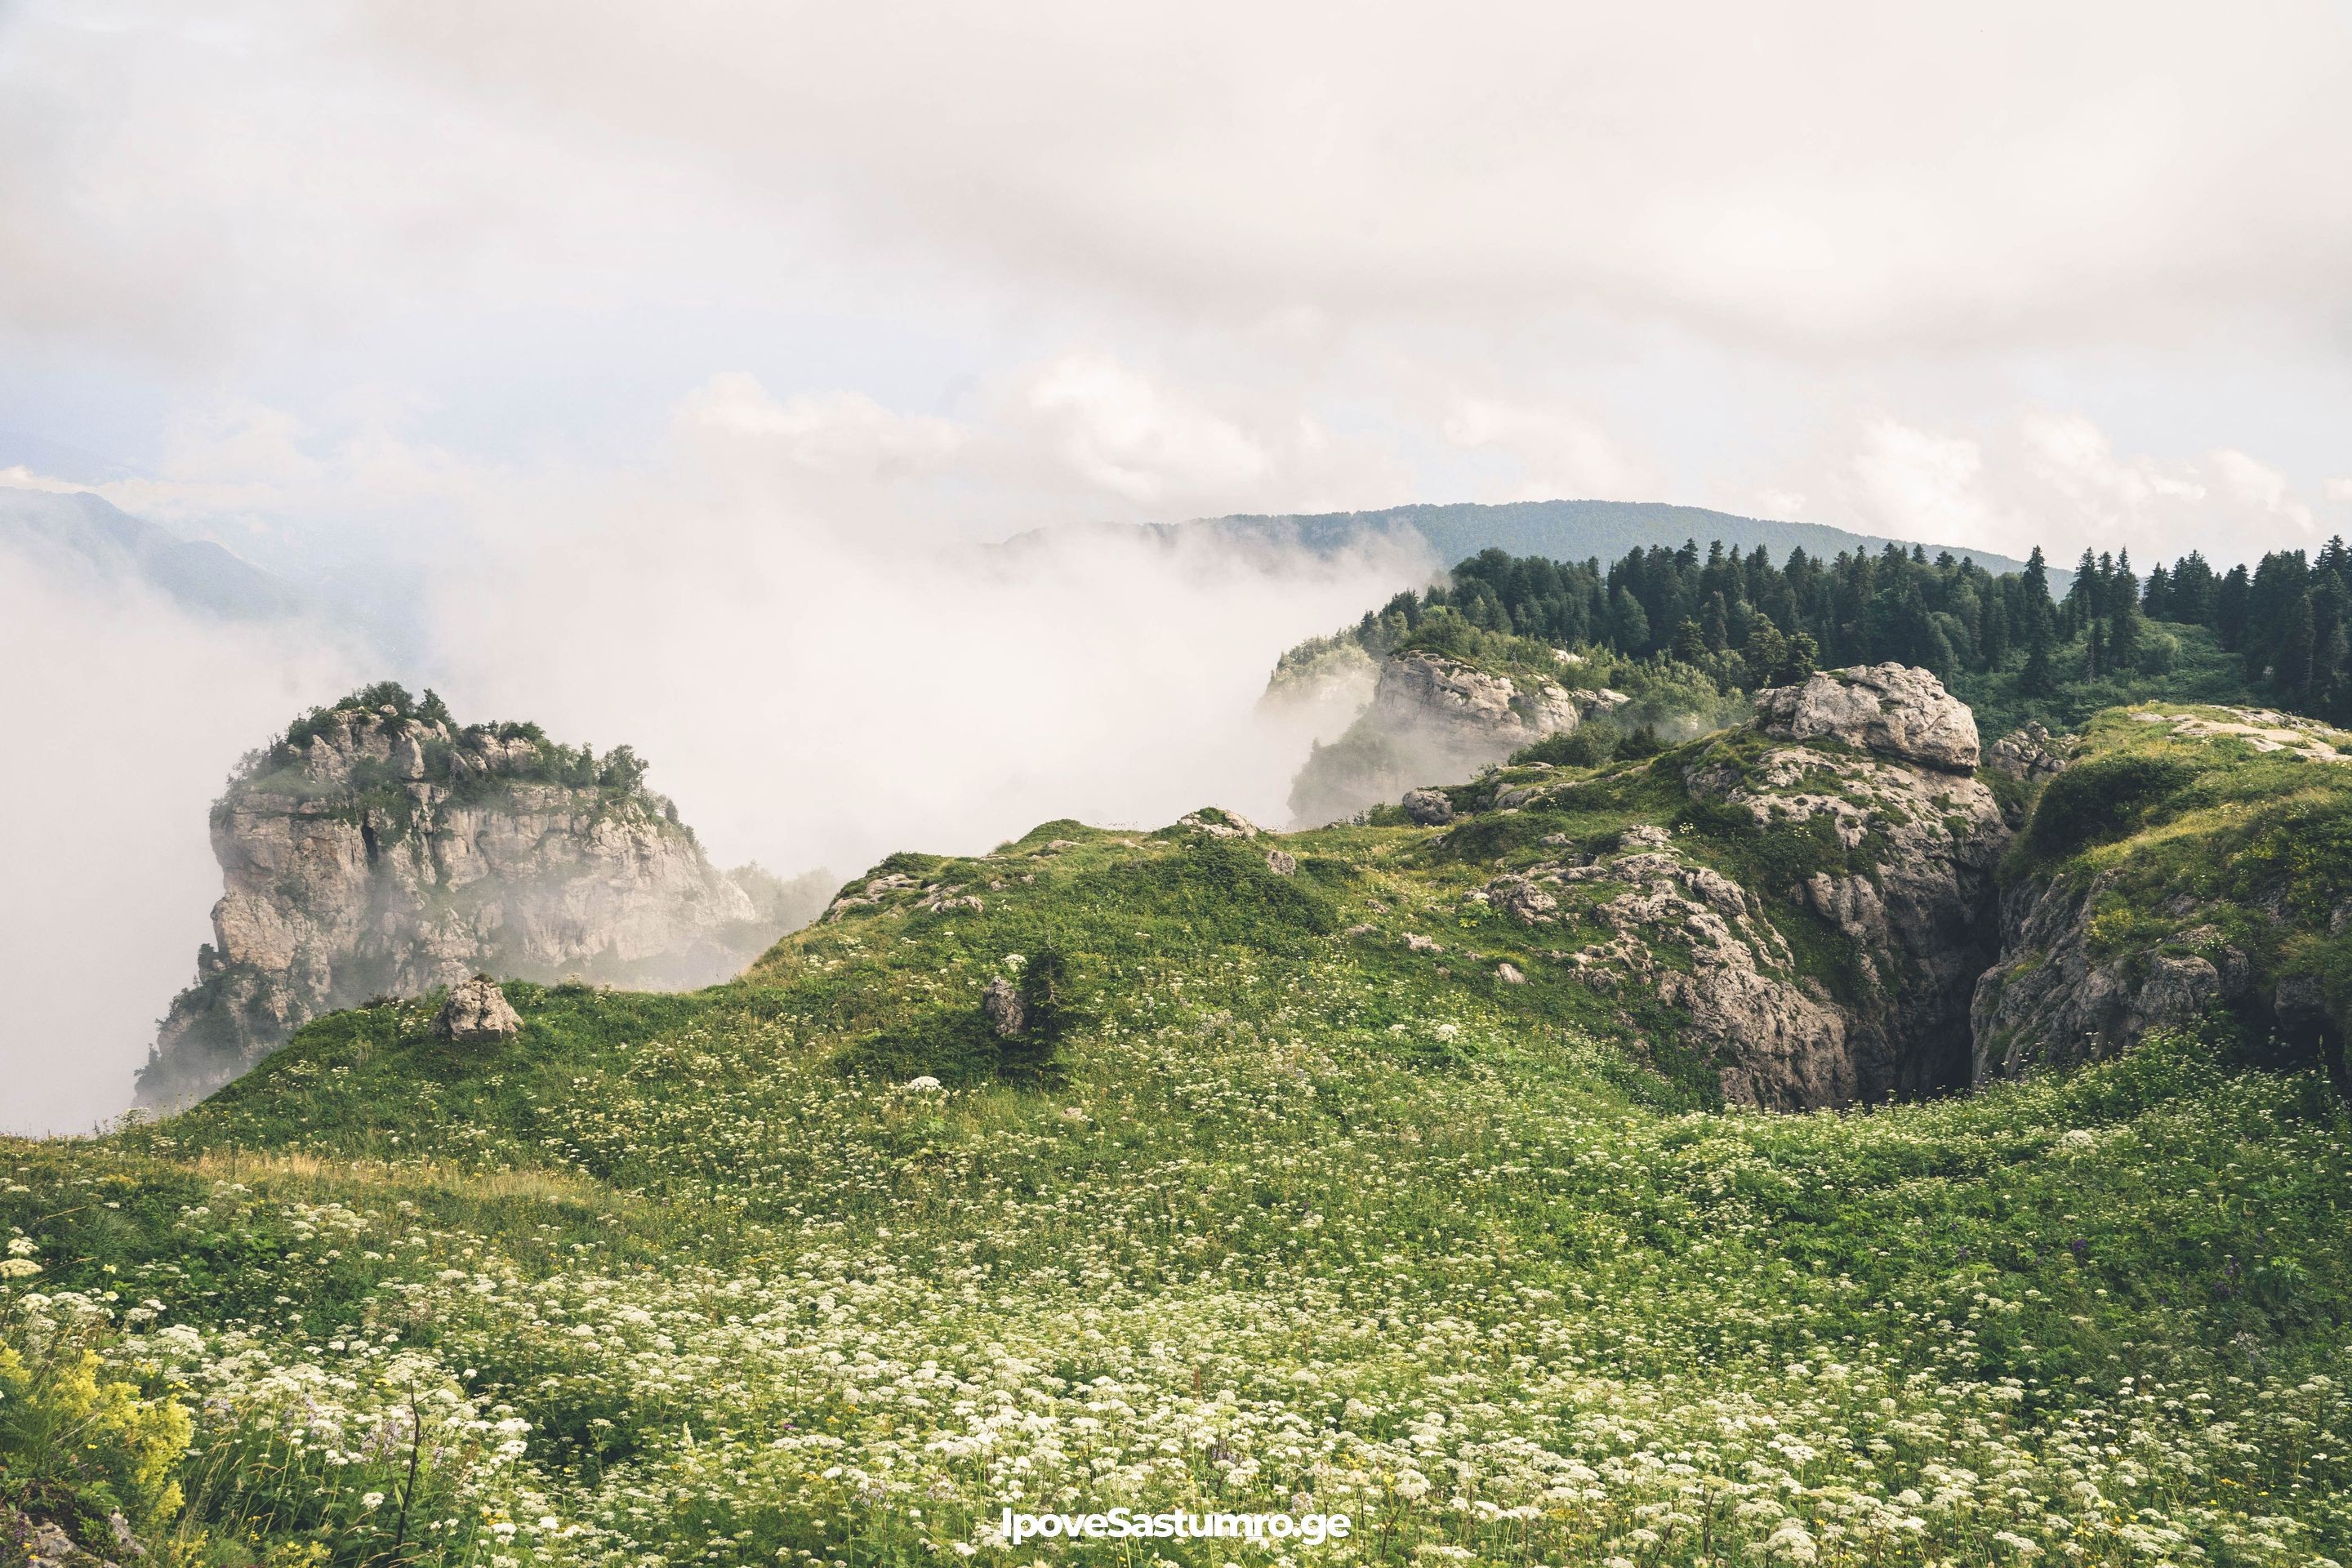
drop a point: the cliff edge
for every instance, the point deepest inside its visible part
(380, 849)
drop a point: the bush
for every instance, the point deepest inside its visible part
(1642, 742)
(1588, 746)
(2097, 801)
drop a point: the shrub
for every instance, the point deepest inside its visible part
(1642, 743)
(2097, 801)
(1588, 746)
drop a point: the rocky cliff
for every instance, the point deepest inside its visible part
(1799, 908)
(1882, 764)
(1432, 717)
(2183, 864)
(380, 849)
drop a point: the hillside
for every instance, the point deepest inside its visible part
(1388, 1169)
(2188, 859)
(88, 535)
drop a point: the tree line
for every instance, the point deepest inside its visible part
(2289, 618)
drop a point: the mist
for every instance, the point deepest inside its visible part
(124, 716)
(813, 698)
(817, 679)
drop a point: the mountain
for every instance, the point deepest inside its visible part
(86, 533)
(1415, 1170)
(378, 848)
(1558, 530)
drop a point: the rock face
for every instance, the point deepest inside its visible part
(2051, 1002)
(1908, 849)
(476, 1013)
(1916, 900)
(2233, 909)
(1432, 718)
(2032, 755)
(1890, 708)
(379, 849)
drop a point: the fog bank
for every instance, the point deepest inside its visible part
(124, 716)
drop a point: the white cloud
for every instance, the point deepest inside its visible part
(2339, 489)
(139, 713)
(1840, 180)
(1923, 485)
(2262, 487)
(2054, 480)
(1121, 434)
(1560, 450)
(818, 681)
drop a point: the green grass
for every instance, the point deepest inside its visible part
(2183, 835)
(1307, 1219)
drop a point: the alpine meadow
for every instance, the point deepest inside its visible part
(1054, 785)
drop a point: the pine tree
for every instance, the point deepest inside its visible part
(2230, 598)
(1766, 655)
(2123, 616)
(2034, 681)
(1629, 624)
(2291, 671)
(1688, 646)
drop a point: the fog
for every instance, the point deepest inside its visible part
(817, 680)
(814, 700)
(123, 716)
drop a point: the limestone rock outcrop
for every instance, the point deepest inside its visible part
(2031, 754)
(1916, 901)
(1433, 719)
(2103, 943)
(379, 848)
(1893, 709)
(2053, 1001)
(476, 1013)
(1859, 768)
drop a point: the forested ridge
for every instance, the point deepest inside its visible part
(2276, 633)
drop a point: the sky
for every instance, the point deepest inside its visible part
(660, 361)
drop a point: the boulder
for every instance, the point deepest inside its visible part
(1893, 709)
(1001, 1003)
(1428, 807)
(2030, 754)
(476, 1013)
(1281, 863)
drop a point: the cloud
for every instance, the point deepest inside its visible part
(820, 680)
(132, 715)
(1560, 450)
(1840, 181)
(2057, 482)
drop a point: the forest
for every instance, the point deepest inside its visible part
(2276, 634)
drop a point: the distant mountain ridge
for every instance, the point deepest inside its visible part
(84, 531)
(1558, 530)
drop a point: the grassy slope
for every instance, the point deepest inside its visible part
(1304, 1214)
(2205, 833)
